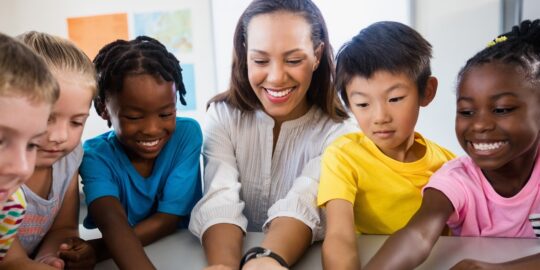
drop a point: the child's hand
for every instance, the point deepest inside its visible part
(473, 264)
(264, 263)
(52, 260)
(77, 254)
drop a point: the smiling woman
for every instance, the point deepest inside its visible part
(281, 106)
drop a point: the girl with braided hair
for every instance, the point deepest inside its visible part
(141, 179)
(495, 190)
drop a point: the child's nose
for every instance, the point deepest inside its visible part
(152, 126)
(21, 162)
(483, 123)
(58, 132)
(380, 115)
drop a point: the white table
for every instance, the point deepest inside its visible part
(183, 251)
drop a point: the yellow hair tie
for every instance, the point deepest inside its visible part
(497, 40)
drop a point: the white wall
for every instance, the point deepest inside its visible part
(50, 16)
(457, 30)
(531, 9)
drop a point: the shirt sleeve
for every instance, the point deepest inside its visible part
(338, 179)
(97, 175)
(448, 181)
(183, 187)
(301, 201)
(221, 202)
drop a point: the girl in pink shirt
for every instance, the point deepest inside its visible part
(495, 190)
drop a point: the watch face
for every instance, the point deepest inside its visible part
(264, 253)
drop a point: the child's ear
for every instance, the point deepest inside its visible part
(429, 92)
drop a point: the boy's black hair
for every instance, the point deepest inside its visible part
(384, 46)
(519, 47)
(143, 55)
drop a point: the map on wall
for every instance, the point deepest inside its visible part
(188, 77)
(173, 29)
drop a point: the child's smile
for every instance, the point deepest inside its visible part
(497, 116)
(143, 115)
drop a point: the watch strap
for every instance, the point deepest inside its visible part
(259, 252)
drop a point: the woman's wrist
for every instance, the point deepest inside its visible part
(260, 252)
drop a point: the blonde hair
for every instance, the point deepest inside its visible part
(24, 74)
(61, 55)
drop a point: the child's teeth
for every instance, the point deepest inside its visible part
(487, 146)
(149, 143)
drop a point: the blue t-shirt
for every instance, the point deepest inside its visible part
(174, 186)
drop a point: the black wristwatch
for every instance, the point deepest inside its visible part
(258, 252)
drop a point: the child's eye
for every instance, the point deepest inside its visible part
(128, 117)
(31, 147)
(396, 99)
(465, 113)
(165, 115)
(361, 105)
(503, 110)
(76, 124)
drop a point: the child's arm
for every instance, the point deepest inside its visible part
(410, 246)
(119, 238)
(16, 258)
(64, 227)
(529, 262)
(339, 249)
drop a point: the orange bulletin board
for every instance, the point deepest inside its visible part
(91, 33)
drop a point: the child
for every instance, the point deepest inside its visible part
(371, 181)
(27, 92)
(52, 192)
(265, 137)
(494, 190)
(142, 179)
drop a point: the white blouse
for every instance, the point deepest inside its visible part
(245, 185)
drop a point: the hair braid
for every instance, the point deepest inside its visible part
(143, 55)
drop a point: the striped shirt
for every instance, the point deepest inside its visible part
(11, 216)
(248, 184)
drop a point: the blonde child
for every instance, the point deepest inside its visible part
(495, 190)
(371, 181)
(142, 179)
(52, 192)
(27, 92)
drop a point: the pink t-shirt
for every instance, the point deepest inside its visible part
(479, 210)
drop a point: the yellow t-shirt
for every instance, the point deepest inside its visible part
(385, 192)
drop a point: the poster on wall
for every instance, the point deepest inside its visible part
(173, 29)
(188, 77)
(91, 33)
